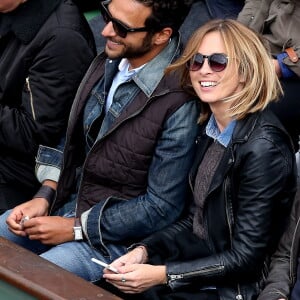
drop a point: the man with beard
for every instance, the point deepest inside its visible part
(200, 12)
(128, 147)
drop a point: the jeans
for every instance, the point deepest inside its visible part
(74, 256)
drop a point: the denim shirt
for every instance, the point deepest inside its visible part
(124, 94)
(213, 131)
(164, 200)
(49, 159)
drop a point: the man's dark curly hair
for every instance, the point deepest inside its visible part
(166, 13)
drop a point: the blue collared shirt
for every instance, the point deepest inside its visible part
(213, 131)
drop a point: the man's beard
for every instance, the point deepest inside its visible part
(134, 52)
(140, 51)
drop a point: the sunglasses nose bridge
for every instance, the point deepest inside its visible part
(205, 64)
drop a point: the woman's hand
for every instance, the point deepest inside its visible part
(136, 278)
(136, 256)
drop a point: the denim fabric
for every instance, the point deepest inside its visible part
(108, 221)
(146, 80)
(48, 162)
(65, 255)
(49, 156)
(167, 183)
(213, 131)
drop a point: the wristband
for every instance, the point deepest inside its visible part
(46, 192)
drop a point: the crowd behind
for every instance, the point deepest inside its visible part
(159, 137)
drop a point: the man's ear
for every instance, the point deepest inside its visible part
(163, 36)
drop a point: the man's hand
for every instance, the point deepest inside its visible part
(50, 230)
(30, 209)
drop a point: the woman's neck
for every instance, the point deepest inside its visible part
(221, 116)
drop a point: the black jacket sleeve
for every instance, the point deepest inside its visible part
(53, 78)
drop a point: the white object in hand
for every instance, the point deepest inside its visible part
(23, 220)
(105, 265)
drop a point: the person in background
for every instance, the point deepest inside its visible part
(283, 281)
(86, 6)
(279, 22)
(200, 12)
(220, 249)
(46, 47)
(129, 146)
(205, 10)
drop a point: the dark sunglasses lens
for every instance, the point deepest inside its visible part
(119, 29)
(104, 14)
(195, 63)
(218, 62)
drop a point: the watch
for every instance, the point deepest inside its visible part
(77, 230)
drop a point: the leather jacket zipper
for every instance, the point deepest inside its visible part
(31, 98)
(229, 218)
(173, 277)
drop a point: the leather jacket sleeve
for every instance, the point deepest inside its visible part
(283, 267)
(159, 242)
(257, 195)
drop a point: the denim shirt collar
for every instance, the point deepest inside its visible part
(224, 137)
(149, 77)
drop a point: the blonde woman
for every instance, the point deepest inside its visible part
(242, 182)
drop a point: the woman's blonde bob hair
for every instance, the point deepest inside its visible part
(247, 51)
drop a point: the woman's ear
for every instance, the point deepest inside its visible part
(242, 78)
(163, 36)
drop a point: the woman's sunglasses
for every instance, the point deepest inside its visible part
(120, 28)
(216, 61)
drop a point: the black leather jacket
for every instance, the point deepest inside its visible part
(45, 48)
(250, 195)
